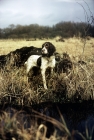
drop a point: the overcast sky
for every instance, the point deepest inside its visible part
(43, 12)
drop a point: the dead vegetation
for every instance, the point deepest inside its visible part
(19, 125)
(76, 85)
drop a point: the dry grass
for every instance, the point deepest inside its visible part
(79, 84)
(14, 125)
(73, 46)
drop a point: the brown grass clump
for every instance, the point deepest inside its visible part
(75, 86)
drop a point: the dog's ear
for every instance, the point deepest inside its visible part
(51, 49)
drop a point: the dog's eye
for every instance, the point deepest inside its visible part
(46, 45)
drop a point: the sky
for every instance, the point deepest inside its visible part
(44, 12)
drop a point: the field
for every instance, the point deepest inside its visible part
(73, 46)
(77, 86)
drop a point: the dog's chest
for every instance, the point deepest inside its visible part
(48, 61)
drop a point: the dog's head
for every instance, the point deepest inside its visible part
(48, 49)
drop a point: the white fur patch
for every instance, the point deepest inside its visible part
(31, 62)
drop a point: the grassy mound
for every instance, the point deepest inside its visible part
(76, 86)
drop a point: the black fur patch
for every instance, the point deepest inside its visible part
(39, 61)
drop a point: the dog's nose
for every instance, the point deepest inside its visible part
(42, 50)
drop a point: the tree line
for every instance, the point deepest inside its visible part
(63, 29)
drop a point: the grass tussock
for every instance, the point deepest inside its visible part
(14, 126)
(75, 86)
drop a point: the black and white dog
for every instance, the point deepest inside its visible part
(45, 60)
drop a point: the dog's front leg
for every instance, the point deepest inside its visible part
(44, 78)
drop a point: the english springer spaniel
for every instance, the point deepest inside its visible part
(47, 59)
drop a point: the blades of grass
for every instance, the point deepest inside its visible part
(62, 118)
(87, 133)
(52, 120)
(81, 135)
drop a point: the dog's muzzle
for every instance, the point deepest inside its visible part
(44, 51)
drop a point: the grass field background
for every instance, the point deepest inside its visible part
(73, 46)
